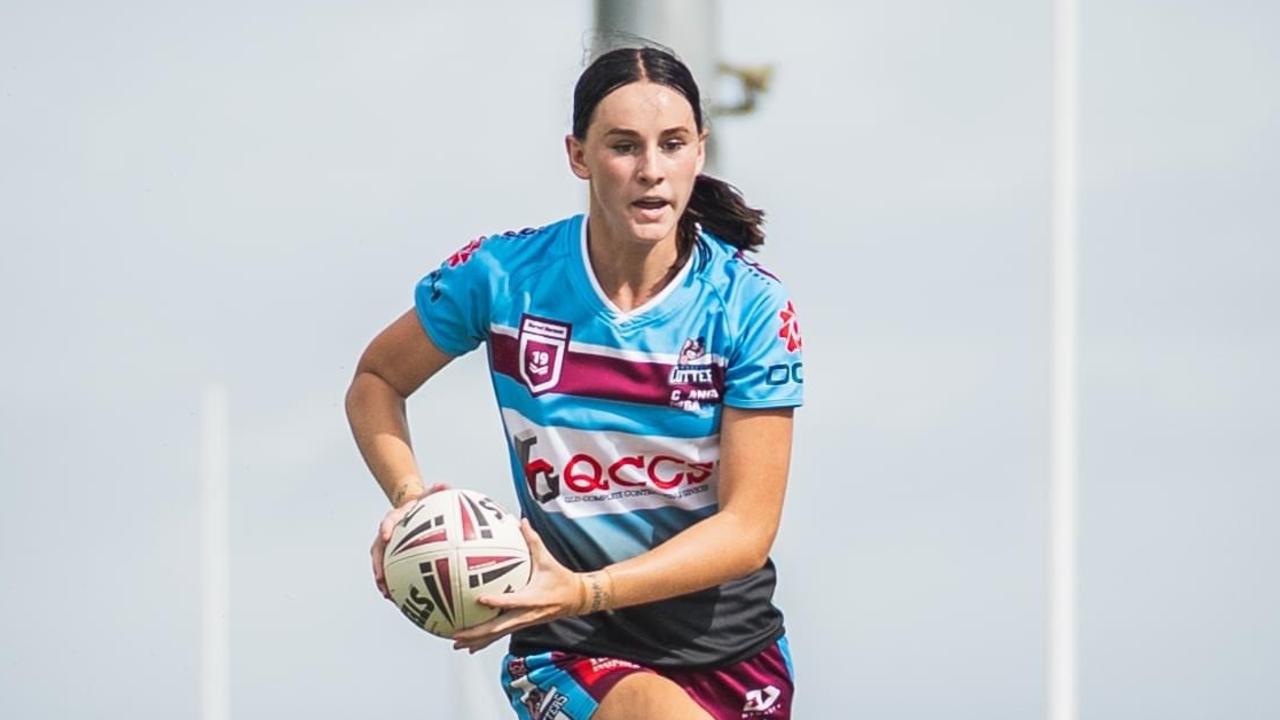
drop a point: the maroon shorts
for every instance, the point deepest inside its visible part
(565, 686)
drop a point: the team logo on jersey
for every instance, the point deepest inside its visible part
(542, 350)
(692, 380)
(790, 331)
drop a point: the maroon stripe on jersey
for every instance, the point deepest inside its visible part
(612, 378)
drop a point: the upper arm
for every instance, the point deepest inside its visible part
(403, 355)
(755, 456)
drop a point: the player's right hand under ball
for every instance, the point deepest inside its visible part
(393, 516)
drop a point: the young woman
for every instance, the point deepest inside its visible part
(646, 370)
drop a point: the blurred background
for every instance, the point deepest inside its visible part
(242, 194)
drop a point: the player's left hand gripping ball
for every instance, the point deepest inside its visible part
(553, 592)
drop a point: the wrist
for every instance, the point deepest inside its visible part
(407, 491)
(595, 592)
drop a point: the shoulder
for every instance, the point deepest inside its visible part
(512, 251)
(736, 276)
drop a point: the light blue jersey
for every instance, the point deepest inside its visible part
(612, 418)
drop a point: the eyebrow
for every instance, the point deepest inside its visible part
(632, 133)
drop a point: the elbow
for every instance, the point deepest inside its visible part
(754, 552)
(757, 557)
(352, 398)
(754, 543)
(358, 392)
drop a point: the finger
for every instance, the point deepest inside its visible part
(531, 537)
(476, 633)
(507, 601)
(379, 576)
(473, 649)
(506, 623)
(376, 556)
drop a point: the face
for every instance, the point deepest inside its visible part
(641, 155)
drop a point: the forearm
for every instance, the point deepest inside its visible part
(718, 549)
(376, 412)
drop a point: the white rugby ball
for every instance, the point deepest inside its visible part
(451, 547)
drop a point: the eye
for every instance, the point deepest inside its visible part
(624, 148)
(673, 145)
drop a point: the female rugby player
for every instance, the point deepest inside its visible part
(646, 370)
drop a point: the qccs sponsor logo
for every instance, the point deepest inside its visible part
(585, 474)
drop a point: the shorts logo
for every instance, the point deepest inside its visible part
(548, 706)
(542, 349)
(760, 701)
(790, 331)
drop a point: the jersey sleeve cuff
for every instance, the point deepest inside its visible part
(764, 403)
(443, 345)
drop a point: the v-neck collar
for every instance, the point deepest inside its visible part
(640, 314)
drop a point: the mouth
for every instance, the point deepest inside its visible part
(651, 208)
(650, 203)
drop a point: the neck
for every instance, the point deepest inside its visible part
(630, 271)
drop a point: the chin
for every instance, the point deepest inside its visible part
(651, 232)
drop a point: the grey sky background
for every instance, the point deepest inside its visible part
(245, 193)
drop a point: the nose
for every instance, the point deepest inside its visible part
(650, 171)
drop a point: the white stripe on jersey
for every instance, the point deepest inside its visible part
(606, 351)
(599, 473)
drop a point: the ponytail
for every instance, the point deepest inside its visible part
(719, 208)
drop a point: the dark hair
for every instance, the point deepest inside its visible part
(715, 204)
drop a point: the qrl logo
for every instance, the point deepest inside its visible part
(542, 348)
(584, 473)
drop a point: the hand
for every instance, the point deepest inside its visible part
(553, 592)
(393, 516)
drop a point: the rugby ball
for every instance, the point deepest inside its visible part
(451, 547)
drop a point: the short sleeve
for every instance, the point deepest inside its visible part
(766, 366)
(453, 300)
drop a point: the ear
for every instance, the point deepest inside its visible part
(577, 157)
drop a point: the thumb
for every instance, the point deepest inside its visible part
(531, 538)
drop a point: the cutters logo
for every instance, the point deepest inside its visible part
(552, 707)
(464, 254)
(542, 348)
(692, 380)
(790, 328)
(694, 352)
(761, 701)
